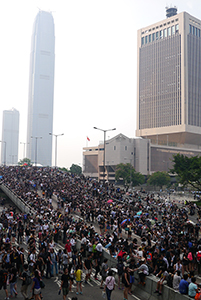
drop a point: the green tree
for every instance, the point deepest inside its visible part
(188, 170)
(159, 179)
(24, 161)
(128, 174)
(75, 169)
(64, 169)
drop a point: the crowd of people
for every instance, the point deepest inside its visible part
(145, 233)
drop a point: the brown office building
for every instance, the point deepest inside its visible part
(169, 87)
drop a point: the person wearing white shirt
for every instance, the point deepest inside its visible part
(99, 247)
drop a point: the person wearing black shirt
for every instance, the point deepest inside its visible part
(64, 283)
(112, 249)
(132, 266)
(154, 261)
(24, 286)
(159, 264)
(88, 267)
(49, 263)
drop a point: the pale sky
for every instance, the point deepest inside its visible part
(95, 65)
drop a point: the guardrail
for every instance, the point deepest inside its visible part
(19, 202)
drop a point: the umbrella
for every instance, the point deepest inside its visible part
(110, 201)
(136, 216)
(124, 221)
(139, 213)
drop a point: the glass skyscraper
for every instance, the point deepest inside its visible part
(10, 137)
(41, 90)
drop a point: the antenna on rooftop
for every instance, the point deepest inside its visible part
(171, 11)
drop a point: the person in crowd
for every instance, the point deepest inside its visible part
(3, 281)
(183, 285)
(88, 267)
(36, 286)
(125, 281)
(162, 275)
(192, 288)
(13, 281)
(78, 278)
(109, 285)
(104, 270)
(120, 270)
(25, 281)
(54, 260)
(65, 283)
(142, 270)
(176, 280)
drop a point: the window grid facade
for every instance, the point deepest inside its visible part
(169, 77)
(194, 80)
(160, 83)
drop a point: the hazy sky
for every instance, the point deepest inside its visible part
(95, 65)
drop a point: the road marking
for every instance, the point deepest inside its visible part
(135, 297)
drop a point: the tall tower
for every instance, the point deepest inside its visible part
(41, 90)
(10, 137)
(169, 81)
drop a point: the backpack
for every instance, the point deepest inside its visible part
(3, 276)
(28, 279)
(198, 256)
(169, 280)
(149, 256)
(28, 258)
(190, 257)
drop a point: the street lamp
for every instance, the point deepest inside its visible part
(104, 147)
(4, 152)
(56, 135)
(36, 146)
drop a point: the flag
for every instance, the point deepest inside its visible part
(88, 139)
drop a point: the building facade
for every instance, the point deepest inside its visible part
(143, 155)
(10, 137)
(169, 77)
(41, 90)
(119, 149)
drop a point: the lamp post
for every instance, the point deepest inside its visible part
(104, 148)
(36, 146)
(4, 152)
(56, 135)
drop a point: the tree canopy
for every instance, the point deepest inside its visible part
(127, 173)
(159, 179)
(75, 169)
(25, 161)
(64, 169)
(188, 170)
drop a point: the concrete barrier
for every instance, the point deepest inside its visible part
(150, 287)
(19, 202)
(147, 291)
